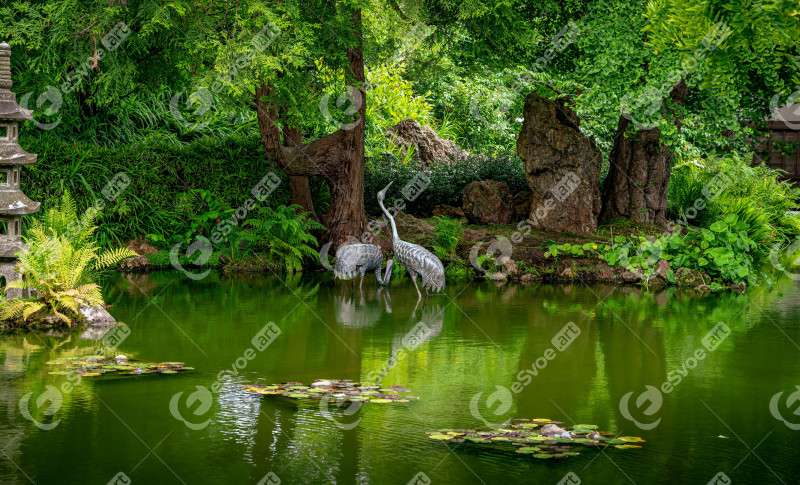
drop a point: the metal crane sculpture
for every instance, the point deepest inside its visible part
(414, 258)
(360, 258)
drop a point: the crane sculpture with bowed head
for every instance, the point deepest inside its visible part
(360, 258)
(414, 258)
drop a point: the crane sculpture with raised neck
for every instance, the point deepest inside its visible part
(417, 260)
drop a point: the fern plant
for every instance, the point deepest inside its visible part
(60, 265)
(447, 236)
(286, 235)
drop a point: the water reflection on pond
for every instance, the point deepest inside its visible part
(472, 340)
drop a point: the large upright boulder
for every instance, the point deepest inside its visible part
(428, 146)
(562, 166)
(488, 202)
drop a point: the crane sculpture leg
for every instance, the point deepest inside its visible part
(414, 279)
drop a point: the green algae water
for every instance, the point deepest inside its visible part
(710, 382)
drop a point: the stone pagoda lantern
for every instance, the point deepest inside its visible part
(13, 203)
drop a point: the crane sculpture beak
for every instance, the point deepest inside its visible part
(382, 193)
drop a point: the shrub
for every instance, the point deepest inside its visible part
(447, 179)
(164, 198)
(734, 186)
(286, 234)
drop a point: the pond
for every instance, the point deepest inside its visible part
(713, 417)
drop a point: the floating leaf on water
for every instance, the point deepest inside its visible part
(523, 436)
(96, 365)
(439, 436)
(631, 439)
(340, 391)
(626, 447)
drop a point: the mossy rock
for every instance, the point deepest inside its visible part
(691, 277)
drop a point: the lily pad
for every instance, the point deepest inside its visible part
(97, 365)
(338, 390)
(528, 440)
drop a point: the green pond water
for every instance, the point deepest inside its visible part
(164, 429)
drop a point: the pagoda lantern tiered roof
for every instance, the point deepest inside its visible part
(13, 203)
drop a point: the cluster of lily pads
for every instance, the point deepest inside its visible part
(541, 438)
(97, 365)
(341, 390)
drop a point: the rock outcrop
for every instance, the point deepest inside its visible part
(427, 145)
(488, 202)
(562, 166)
(448, 211)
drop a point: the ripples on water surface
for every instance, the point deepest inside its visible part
(481, 337)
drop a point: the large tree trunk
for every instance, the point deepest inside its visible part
(638, 175)
(338, 157)
(299, 186)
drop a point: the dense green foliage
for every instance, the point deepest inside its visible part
(168, 88)
(447, 180)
